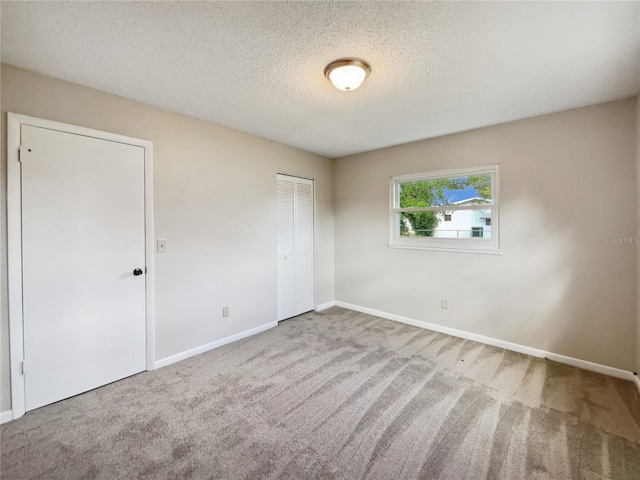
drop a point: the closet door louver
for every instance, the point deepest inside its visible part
(304, 218)
(295, 245)
(286, 190)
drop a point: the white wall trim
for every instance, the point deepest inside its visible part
(14, 264)
(636, 380)
(448, 250)
(6, 416)
(534, 352)
(14, 241)
(149, 239)
(210, 346)
(324, 306)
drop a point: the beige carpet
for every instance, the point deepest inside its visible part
(339, 395)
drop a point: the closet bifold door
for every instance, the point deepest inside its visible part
(295, 245)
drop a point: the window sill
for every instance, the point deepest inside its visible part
(449, 250)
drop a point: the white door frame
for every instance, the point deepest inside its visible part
(14, 242)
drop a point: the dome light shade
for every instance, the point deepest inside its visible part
(347, 74)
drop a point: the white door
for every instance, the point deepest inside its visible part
(83, 234)
(295, 246)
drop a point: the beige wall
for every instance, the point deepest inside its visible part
(215, 192)
(567, 181)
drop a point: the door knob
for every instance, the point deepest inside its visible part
(137, 271)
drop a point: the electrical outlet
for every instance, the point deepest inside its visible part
(161, 246)
(444, 304)
(225, 311)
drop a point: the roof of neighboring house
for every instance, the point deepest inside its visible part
(472, 201)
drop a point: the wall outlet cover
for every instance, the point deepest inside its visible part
(161, 246)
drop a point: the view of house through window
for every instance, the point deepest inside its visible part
(452, 205)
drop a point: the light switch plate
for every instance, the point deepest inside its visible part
(161, 246)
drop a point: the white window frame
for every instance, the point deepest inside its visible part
(462, 245)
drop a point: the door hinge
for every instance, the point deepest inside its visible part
(22, 370)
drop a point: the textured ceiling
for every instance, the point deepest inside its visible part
(437, 67)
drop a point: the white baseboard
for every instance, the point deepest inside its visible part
(210, 346)
(636, 380)
(576, 362)
(6, 416)
(324, 306)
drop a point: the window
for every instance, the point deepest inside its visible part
(454, 210)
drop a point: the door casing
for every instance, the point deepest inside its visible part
(14, 243)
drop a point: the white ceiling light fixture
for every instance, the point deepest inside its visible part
(347, 74)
